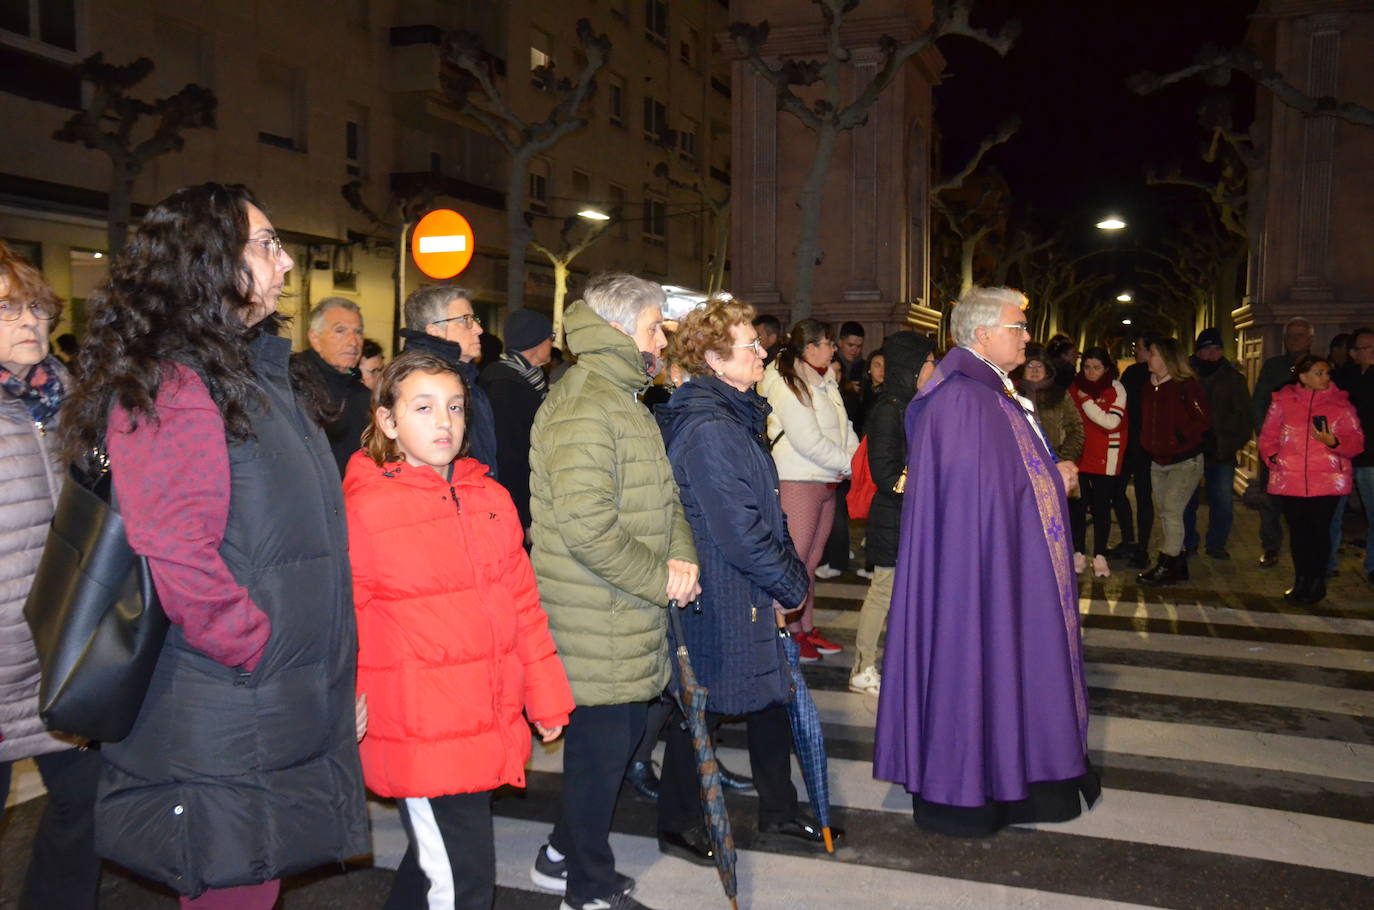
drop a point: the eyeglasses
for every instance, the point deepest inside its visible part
(11, 310)
(1017, 326)
(467, 320)
(272, 246)
(755, 344)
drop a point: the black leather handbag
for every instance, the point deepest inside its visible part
(95, 617)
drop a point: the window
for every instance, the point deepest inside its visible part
(615, 92)
(48, 22)
(539, 187)
(617, 197)
(687, 47)
(281, 106)
(355, 141)
(656, 22)
(184, 56)
(687, 139)
(436, 163)
(655, 120)
(581, 187)
(655, 220)
(541, 48)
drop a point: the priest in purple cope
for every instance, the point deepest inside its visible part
(983, 715)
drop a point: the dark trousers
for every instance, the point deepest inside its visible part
(1098, 492)
(597, 745)
(659, 711)
(836, 554)
(1309, 531)
(1271, 524)
(63, 870)
(1218, 481)
(451, 860)
(770, 761)
(1137, 472)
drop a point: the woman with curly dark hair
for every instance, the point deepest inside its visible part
(243, 764)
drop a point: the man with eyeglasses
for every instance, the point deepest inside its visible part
(983, 710)
(440, 320)
(1357, 379)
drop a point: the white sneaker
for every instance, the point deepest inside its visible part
(864, 573)
(1080, 562)
(825, 573)
(866, 682)
(1100, 567)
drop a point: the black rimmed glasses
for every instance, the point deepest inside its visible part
(12, 310)
(467, 320)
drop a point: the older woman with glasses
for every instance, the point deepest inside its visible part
(812, 442)
(713, 427)
(64, 870)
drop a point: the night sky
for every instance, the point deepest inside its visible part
(1086, 139)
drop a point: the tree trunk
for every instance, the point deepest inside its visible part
(715, 279)
(120, 204)
(398, 277)
(518, 231)
(560, 294)
(809, 201)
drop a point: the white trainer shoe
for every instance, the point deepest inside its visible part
(866, 682)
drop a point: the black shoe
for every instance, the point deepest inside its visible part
(1316, 591)
(642, 777)
(693, 845)
(1218, 553)
(801, 828)
(1138, 559)
(1269, 559)
(1163, 572)
(1298, 592)
(614, 902)
(732, 781)
(1181, 566)
(1124, 550)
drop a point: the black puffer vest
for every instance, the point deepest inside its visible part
(231, 778)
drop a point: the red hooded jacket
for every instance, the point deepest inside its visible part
(453, 647)
(1300, 464)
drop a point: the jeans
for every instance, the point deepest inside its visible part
(1172, 485)
(1364, 484)
(1137, 472)
(63, 868)
(1337, 520)
(1219, 481)
(1098, 492)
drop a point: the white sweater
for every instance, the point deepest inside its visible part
(818, 441)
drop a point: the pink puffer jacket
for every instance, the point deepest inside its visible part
(1299, 463)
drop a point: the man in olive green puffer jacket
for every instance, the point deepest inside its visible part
(611, 549)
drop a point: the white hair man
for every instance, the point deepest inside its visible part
(611, 549)
(983, 711)
(336, 345)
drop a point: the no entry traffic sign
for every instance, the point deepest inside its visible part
(442, 243)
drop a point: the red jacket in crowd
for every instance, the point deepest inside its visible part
(454, 649)
(1300, 464)
(1104, 428)
(1174, 420)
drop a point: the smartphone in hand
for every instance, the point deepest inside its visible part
(1319, 424)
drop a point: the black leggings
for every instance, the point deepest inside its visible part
(1097, 491)
(1309, 532)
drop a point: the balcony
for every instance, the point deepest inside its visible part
(417, 63)
(413, 182)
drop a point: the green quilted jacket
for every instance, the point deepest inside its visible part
(606, 519)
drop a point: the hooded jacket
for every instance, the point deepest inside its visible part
(1299, 463)
(905, 353)
(714, 435)
(453, 651)
(605, 519)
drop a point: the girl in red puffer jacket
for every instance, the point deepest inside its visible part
(454, 651)
(1310, 434)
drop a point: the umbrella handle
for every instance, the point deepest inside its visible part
(829, 840)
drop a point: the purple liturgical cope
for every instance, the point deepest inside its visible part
(983, 690)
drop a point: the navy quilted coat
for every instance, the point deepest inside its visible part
(729, 488)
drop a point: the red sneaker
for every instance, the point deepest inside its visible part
(823, 644)
(809, 654)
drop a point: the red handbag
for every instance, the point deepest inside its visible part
(861, 485)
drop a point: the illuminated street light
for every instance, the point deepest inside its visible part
(1124, 297)
(1125, 322)
(1111, 223)
(593, 215)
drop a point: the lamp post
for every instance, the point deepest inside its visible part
(1111, 223)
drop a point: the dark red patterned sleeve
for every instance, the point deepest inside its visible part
(172, 482)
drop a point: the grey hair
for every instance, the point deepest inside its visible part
(330, 303)
(430, 304)
(980, 307)
(1299, 320)
(619, 298)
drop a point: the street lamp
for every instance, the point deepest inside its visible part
(1125, 322)
(593, 215)
(1111, 223)
(1124, 297)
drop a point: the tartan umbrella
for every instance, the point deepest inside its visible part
(691, 698)
(809, 740)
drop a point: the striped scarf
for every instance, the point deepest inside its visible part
(533, 374)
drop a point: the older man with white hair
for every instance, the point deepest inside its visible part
(983, 714)
(336, 345)
(612, 548)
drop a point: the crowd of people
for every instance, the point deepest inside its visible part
(381, 575)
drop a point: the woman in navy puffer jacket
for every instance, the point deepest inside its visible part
(713, 428)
